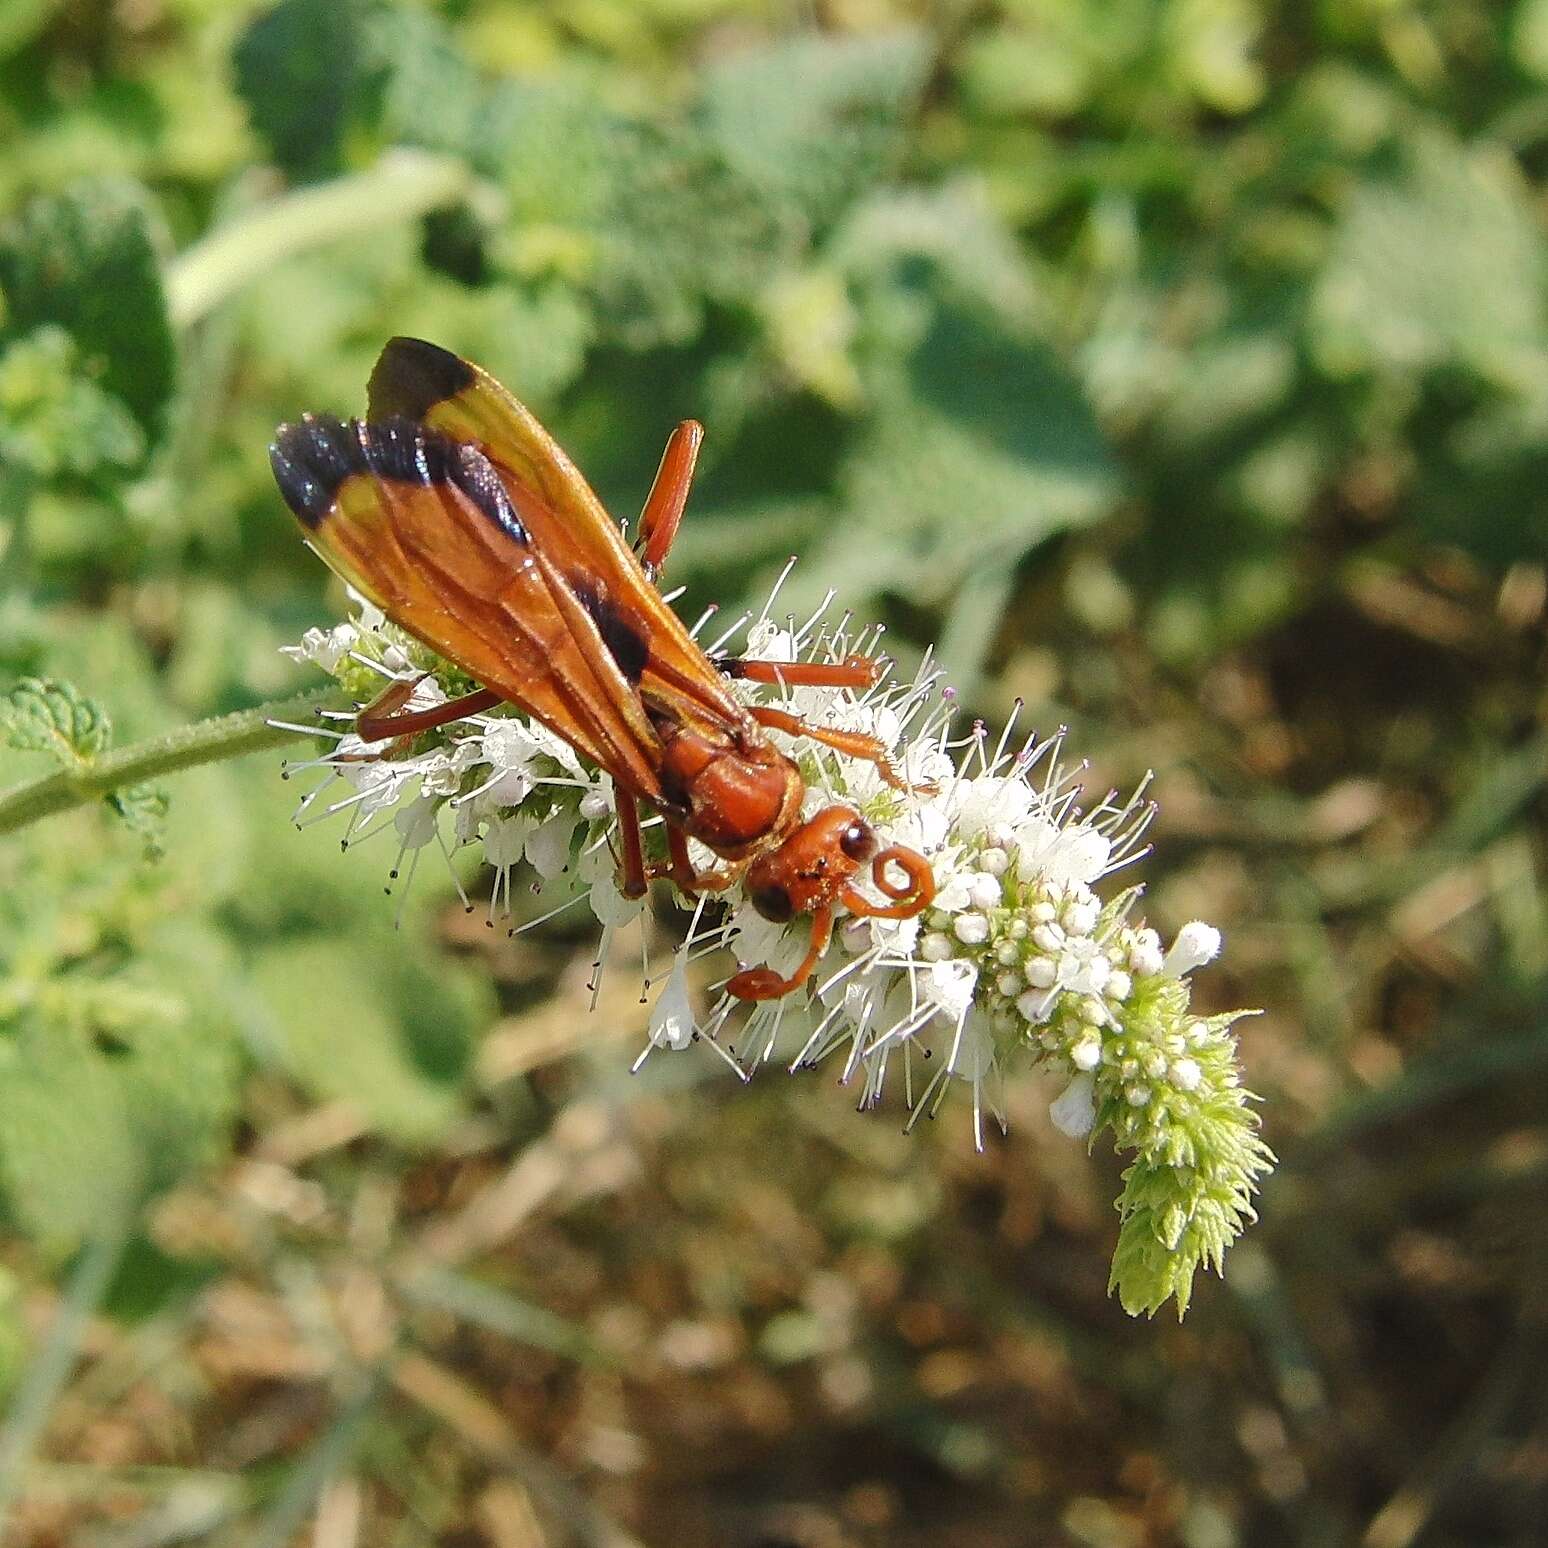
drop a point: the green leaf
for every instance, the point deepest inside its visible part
(330, 1022)
(144, 811)
(181, 1065)
(682, 228)
(1397, 295)
(22, 20)
(553, 148)
(1529, 37)
(53, 418)
(648, 219)
(298, 68)
(950, 235)
(426, 91)
(992, 450)
(45, 715)
(87, 259)
(64, 1134)
(119, 1084)
(813, 122)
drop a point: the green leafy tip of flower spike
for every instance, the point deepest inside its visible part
(49, 715)
(1172, 1093)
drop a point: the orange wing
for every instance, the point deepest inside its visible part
(440, 390)
(426, 528)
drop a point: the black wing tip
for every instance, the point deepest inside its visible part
(310, 459)
(412, 375)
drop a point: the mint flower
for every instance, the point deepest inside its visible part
(1019, 962)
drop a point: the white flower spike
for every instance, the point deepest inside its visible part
(1017, 962)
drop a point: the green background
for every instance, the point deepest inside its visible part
(1176, 366)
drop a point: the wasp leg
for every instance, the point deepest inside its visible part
(680, 867)
(380, 719)
(763, 983)
(668, 495)
(913, 896)
(855, 744)
(633, 874)
(851, 672)
(636, 873)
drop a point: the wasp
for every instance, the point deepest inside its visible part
(452, 509)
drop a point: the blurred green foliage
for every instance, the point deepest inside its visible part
(1225, 307)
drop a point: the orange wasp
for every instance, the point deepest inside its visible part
(453, 510)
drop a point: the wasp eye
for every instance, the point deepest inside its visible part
(773, 902)
(857, 841)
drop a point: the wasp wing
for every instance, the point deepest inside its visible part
(425, 383)
(424, 525)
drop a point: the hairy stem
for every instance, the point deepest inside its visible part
(401, 186)
(206, 741)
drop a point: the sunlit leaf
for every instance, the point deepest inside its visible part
(144, 811)
(54, 419)
(993, 450)
(89, 260)
(813, 121)
(50, 716)
(298, 68)
(1394, 296)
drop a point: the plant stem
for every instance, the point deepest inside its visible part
(206, 741)
(402, 186)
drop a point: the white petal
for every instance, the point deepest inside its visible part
(1145, 958)
(760, 941)
(924, 827)
(555, 747)
(416, 823)
(610, 905)
(895, 936)
(378, 783)
(766, 641)
(1074, 1110)
(1035, 1004)
(671, 1017)
(1083, 967)
(508, 744)
(949, 985)
(984, 803)
(511, 788)
(548, 846)
(1087, 1053)
(327, 647)
(974, 1049)
(1060, 855)
(971, 929)
(504, 840)
(1083, 856)
(1196, 944)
